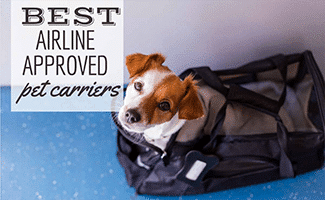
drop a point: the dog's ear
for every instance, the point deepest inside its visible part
(190, 106)
(137, 63)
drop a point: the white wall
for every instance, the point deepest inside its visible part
(216, 33)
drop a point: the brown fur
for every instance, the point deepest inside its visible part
(182, 95)
(138, 63)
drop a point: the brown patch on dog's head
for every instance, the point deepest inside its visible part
(190, 107)
(138, 63)
(180, 95)
(170, 91)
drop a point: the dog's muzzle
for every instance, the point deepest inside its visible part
(132, 116)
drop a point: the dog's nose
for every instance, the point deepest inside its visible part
(132, 116)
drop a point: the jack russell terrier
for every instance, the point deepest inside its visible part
(157, 102)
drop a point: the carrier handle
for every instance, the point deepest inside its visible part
(262, 65)
(207, 75)
(243, 95)
(234, 92)
(253, 99)
(237, 93)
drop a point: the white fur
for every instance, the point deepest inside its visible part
(151, 79)
(133, 98)
(159, 134)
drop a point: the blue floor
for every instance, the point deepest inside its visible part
(72, 156)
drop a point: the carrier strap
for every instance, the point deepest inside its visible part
(285, 165)
(220, 118)
(240, 94)
(208, 76)
(310, 63)
(245, 96)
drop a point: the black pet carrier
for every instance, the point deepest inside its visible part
(268, 124)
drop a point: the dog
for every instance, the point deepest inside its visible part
(157, 102)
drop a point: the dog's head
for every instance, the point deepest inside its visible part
(155, 94)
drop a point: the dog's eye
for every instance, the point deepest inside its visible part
(138, 86)
(164, 106)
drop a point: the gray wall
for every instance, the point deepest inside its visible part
(219, 34)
